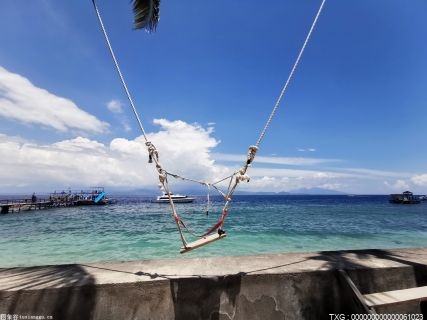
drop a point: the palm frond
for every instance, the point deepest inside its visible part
(146, 14)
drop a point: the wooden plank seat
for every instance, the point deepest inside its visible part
(201, 242)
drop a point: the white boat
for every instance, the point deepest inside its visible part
(176, 198)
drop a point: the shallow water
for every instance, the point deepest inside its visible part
(135, 228)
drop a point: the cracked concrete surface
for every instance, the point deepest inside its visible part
(271, 286)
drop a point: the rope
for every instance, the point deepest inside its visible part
(241, 174)
(282, 93)
(153, 154)
(236, 177)
(218, 225)
(118, 71)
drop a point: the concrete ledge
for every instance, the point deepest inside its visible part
(273, 286)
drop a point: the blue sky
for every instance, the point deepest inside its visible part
(204, 83)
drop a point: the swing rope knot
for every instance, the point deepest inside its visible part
(162, 176)
(242, 177)
(153, 155)
(251, 155)
(152, 152)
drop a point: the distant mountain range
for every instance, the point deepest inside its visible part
(302, 191)
(317, 191)
(189, 191)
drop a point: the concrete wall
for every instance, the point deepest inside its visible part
(282, 286)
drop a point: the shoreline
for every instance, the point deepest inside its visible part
(295, 285)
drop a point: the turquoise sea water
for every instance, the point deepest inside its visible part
(135, 228)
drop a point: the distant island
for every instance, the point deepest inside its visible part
(195, 192)
(302, 191)
(317, 191)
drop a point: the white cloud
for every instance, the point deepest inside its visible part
(293, 161)
(294, 173)
(376, 173)
(22, 101)
(294, 179)
(420, 180)
(398, 185)
(277, 179)
(126, 126)
(115, 106)
(415, 183)
(184, 149)
(80, 162)
(191, 144)
(308, 149)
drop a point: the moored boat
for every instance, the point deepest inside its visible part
(176, 198)
(404, 198)
(94, 196)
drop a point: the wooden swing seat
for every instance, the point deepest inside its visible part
(201, 242)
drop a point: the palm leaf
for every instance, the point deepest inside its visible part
(146, 14)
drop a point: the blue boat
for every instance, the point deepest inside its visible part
(93, 196)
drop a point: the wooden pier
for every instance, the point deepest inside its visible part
(69, 198)
(18, 205)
